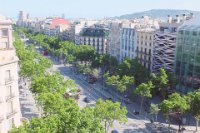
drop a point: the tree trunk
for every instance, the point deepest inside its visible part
(197, 124)
(168, 122)
(141, 105)
(156, 117)
(105, 127)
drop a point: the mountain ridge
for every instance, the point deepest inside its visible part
(157, 13)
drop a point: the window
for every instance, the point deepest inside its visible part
(4, 45)
(11, 123)
(187, 32)
(4, 32)
(194, 33)
(181, 32)
(9, 90)
(7, 75)
(150, 51)
(10, 107)
(149, 67)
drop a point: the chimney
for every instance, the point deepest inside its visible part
(192, 15)
(177, 19)
(169, 19)
(184, 17)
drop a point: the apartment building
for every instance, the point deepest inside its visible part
(127, 43)
(9, 99)
(69, 34)
(133, 36)
(165, 42)
(144, 46)
(96, 37)
(79, 26)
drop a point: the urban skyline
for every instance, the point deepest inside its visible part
(89, 8)
(75, 66)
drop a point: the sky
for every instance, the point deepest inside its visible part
(90, 8)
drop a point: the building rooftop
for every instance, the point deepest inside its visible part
(53, 22)
(95, 32)
(146, 29)
(192, 24)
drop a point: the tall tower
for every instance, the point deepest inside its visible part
(9, 99)
(22, 16)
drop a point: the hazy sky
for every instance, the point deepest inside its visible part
(90, 8)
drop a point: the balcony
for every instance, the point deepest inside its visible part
(1, 118)
(12, 113)
(10, 96)
(9, 80)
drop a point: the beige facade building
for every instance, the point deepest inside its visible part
(144, 46)
(9, 99)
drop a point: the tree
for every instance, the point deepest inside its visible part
(51, 83)
(89, 123)
(194, 100)
(174, 106)
(144, 90)
(120, 83)
(38, 125)
(154, 109)
(108, 112)
(131, 67)
(172, 81)
(84, 53)
(160, 81)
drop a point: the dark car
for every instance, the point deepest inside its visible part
(114, 131)
(86, 99)
(110, 99)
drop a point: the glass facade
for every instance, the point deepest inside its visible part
(187, 64)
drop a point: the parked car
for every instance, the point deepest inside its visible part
(114, 131)
(92, 79)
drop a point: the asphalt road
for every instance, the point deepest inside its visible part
(87, 90)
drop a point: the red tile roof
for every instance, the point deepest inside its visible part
(58, 21)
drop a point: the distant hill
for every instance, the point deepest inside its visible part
(157, 13)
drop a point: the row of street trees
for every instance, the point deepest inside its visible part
(129, 74)
(59, 114)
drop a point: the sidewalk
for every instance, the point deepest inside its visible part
(28, 105)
